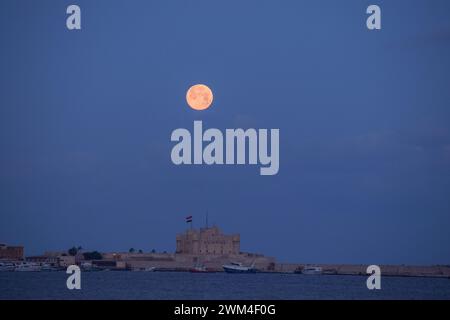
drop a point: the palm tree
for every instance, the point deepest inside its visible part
(72, 251)
(131, 250)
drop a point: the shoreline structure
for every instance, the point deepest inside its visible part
(211, 249)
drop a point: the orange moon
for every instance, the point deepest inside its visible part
(199, 97)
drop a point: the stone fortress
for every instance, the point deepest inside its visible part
(208, 247)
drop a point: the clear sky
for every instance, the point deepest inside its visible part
(364, 118)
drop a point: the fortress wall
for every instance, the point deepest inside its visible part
(181, 262)
(388, 270)
(213, 262)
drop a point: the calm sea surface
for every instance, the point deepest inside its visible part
(180, 285)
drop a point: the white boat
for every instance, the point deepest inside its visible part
(6, 266)
(312, 270)
(236, 267)
(200, 269)
(147, 269)
(27, 266)
(88, 266)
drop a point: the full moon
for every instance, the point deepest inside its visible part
(199, 97)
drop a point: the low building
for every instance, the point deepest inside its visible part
(11, 252)
(52, 261)
(65, 261)
(54, 254)
(208, 241)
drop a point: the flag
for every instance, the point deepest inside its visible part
(188, 219)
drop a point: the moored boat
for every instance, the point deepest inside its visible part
(236, 267)
(312, 270)
(27, 267)
(7, 266)
(146, 269)
(200, 269)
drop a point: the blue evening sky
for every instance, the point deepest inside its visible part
(364, 119)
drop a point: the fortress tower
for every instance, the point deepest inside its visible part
(208, 241)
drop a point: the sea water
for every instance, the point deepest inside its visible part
(183, 285)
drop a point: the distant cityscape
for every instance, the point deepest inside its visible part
(206, 249)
